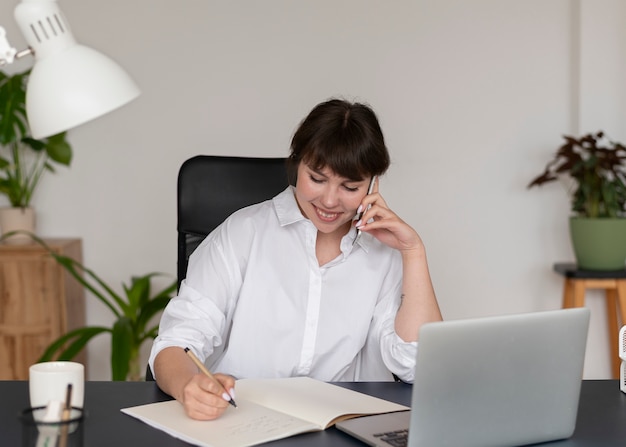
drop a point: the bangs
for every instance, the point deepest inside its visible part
(345, 138)
(344, 159)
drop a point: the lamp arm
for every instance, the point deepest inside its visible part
(9, 54)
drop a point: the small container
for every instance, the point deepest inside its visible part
(37, 433)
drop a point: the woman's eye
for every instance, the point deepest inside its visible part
(351, 188)
(316, 180)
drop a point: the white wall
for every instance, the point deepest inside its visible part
(473, 97)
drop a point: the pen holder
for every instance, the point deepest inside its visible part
(60, 433)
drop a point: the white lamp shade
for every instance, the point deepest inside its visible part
(72, 87)
(70, 84)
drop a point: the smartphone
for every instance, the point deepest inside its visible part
(359, 215)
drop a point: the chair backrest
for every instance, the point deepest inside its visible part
(210, 188)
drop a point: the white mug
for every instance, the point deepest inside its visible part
(48, 381)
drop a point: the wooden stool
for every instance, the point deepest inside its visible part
(613, 282)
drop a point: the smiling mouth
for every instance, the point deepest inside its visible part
(325, 215)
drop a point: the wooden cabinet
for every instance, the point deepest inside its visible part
(39, 301)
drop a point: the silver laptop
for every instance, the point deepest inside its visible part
(496, 381)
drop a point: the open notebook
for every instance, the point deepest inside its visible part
(268, 409)
(496, 381)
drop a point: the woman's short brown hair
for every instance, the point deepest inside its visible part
(342, 136)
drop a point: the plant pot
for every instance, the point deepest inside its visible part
(599, 243)
(17, 219)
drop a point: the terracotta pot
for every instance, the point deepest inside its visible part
(17, 219)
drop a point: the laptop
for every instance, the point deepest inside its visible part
(494, 381)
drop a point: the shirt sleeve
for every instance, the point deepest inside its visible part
(199, 316)
(384, 346)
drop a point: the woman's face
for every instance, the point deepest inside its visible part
(328, 200)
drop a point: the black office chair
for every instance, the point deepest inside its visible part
(211, 188)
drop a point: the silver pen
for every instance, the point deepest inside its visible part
(360, 215)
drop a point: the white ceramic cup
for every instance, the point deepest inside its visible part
(48, 381)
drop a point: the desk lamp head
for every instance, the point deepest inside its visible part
(70, 83)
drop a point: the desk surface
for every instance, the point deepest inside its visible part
(601, 415)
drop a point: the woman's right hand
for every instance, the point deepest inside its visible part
(177, 375)
(204, 399)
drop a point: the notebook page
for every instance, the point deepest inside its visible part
(312, 400)
(244, 426)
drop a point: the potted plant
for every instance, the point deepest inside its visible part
(133, 313)
(23, 159)
(596, 168)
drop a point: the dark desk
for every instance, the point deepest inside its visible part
(601, 416)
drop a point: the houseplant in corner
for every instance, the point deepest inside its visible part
(133, 313)
(23, 159)
(596, 167)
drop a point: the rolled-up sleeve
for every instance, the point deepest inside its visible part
(385, 350)
(192, 319)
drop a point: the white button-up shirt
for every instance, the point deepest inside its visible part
(256, 303)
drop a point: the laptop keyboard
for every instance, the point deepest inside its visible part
(397, 438)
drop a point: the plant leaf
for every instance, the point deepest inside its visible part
(122, 343)
(151, 333)
(127, 331)
(77, 338)
(36, 145)
(13, 123)
(23, 172)
(137, 294)
(58, 149)
(76, 269)
(149, 310)
(598, 168)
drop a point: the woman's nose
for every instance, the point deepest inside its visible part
(330, 198)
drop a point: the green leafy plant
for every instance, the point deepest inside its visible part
(133, 314)
(597, 167)
(24, 159)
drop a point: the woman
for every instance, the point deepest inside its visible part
(284, 288)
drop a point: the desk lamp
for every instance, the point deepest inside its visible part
(69, 83)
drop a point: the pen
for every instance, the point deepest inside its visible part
(207, 373)
(360, 215)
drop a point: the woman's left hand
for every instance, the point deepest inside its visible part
(418, 304)
(385, 225)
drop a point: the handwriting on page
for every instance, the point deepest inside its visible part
(265, 425)
(251, 424)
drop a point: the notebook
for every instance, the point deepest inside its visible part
(493, 381)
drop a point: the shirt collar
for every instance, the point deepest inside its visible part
(287, 208)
